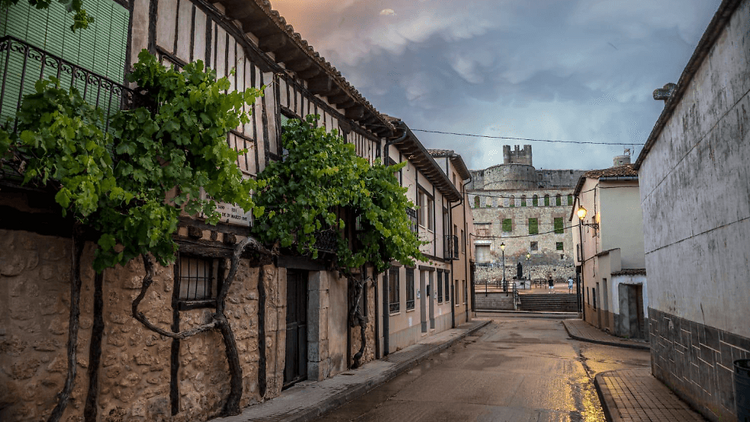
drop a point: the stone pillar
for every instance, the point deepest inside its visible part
(318, 358)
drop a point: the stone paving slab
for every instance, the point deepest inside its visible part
(309, 399)
(583, 331)
(635, 395)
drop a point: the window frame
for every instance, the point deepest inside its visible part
(559, 224)
(509, 222)
(216, 268)
(394, 307)
(410, 292)
(533, 224)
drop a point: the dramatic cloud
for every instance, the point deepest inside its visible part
(575, 70)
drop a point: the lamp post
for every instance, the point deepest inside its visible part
(581, 213)
(528, 264)
(505, 285)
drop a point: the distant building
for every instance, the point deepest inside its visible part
(527, 210)
(695, 193)
(612, 259)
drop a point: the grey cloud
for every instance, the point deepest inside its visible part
(580, 70)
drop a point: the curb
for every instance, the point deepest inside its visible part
(604, 398)
(340, 399)
(607, 343)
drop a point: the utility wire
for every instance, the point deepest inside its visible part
(512, 138)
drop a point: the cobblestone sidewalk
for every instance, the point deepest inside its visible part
(635, 395)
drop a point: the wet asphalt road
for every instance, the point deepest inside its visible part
(515, 369)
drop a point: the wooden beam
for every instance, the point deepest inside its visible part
(320, 85)
(289, 54)
(339, 97)
(310, 72)
(273, 42)
(354, 113)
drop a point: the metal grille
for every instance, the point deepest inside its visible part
(412, 213)
(394, 304)
(22, 65)
(409, 288)
(196, 278)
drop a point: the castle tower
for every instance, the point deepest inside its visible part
(517, 156)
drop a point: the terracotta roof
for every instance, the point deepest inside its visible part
(276, 36)
(630, 271)
(619, 171)
(440, 152)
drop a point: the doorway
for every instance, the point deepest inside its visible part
(295, 366)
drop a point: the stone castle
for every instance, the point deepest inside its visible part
(526, 209)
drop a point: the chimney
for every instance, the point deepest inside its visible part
(621, 160)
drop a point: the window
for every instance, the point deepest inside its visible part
(447, 287)
(507, 225)
(512, 201)
(570, 199)
(535, 201)
(426, 211)
(559, 246)
(558, 200)
(559, 226)
(409, 289)
(546, 200)
(476, 202)
(533, 226)
(394, 304)
(534, 246)
(198, 281)
(466, 293)
(440, 286)
(523, 200)
(463, 241)
(413, 223)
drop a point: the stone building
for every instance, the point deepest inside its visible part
(695, 194)
(526, 210)
(611, 261)
(290, 318)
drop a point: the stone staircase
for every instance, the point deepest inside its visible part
(548, 302)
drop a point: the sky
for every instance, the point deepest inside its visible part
(581, 70)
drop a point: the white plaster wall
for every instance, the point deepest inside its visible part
(695, 192)
(628, 279)
(621, 222)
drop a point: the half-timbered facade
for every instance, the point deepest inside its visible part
(289, 317)
(433, 295)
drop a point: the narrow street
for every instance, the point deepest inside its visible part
(518, 368)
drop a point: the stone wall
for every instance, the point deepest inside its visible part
(696, 362)
(134, 373)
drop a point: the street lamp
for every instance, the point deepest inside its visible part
(528, 264)
(505, 285)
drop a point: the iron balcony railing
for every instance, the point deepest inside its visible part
(450, 247)
(412, 213)
(22, 64)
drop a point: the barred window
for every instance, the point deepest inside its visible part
(198, 280)
(393, 287)
(440, 286)
(409, 289)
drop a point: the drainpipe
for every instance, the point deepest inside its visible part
(386, 309)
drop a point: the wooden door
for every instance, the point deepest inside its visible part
(295, 366)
